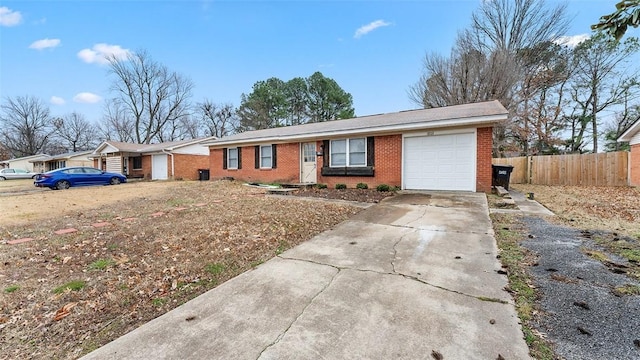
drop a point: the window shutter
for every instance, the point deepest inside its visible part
(257, 156)
(370, 150)
(274, 156)
(325, 153)
(239, 158)
(224, 158)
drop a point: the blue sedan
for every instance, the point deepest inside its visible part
(64, 178)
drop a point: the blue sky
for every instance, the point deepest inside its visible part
(373, 49)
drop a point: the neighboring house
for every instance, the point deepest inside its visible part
(446, 148)
(169, 160)
(33, 163)
(632, 136)
(78, 158)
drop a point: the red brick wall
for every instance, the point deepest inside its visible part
(484, 145)
(634, 161)
(186, 166)
(287, 165)
(387, 165)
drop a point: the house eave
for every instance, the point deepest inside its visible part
(627, 135)
(379, 130)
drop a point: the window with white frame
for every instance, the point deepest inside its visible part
(348, 152)
(266, 157)
(232, 158)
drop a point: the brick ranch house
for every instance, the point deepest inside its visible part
(632, 136)
(163, 161)
(446, 148)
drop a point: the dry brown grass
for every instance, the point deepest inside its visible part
(589, 207)
(65, 295)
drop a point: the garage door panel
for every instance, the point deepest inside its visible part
(440, 162)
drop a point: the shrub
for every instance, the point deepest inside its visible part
(321, 186)
(362, 186)
(341, 186)
(383, 187)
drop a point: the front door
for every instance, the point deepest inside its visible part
(308, 174)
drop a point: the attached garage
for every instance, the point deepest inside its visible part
(440, 161)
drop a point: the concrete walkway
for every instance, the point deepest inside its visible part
(525, 206)
(405, 279)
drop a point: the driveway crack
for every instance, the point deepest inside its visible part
(395, 253)
(281, 335)
(393, 273)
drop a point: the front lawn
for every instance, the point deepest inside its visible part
(134, 259)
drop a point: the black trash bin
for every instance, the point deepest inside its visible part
(501, 175)
(203, 174)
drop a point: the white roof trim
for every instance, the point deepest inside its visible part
(627, 135)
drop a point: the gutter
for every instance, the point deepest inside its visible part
(173, 175)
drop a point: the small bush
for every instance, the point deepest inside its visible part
(362, 186)
(341, 186)
(383, 188)
(321, 186)
(74, 285)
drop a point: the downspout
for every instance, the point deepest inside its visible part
(173, 175)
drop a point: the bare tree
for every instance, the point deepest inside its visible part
(622, 121)
(115, 124)
(75, 133)
(27, 126)
(219, 120)
(539, 98)
(150, 94)
(602, 80)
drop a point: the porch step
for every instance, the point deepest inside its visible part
(281, 191)
(501, 191)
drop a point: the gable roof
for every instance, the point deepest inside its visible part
(476, 114)
(631, 132)
(149, 148)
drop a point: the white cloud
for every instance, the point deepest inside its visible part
(57, 100)
(86, 98)
(44, 43)
(9, 17)
(365, 29)
(99, 53)
(572, 41)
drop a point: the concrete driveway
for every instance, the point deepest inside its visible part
(403, 279)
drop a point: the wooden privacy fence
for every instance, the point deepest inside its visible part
(602, 169)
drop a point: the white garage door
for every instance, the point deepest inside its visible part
(440, 162)
(159, 167)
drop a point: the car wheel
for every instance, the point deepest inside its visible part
(2, 178)
(114, 181)
(62, 185)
